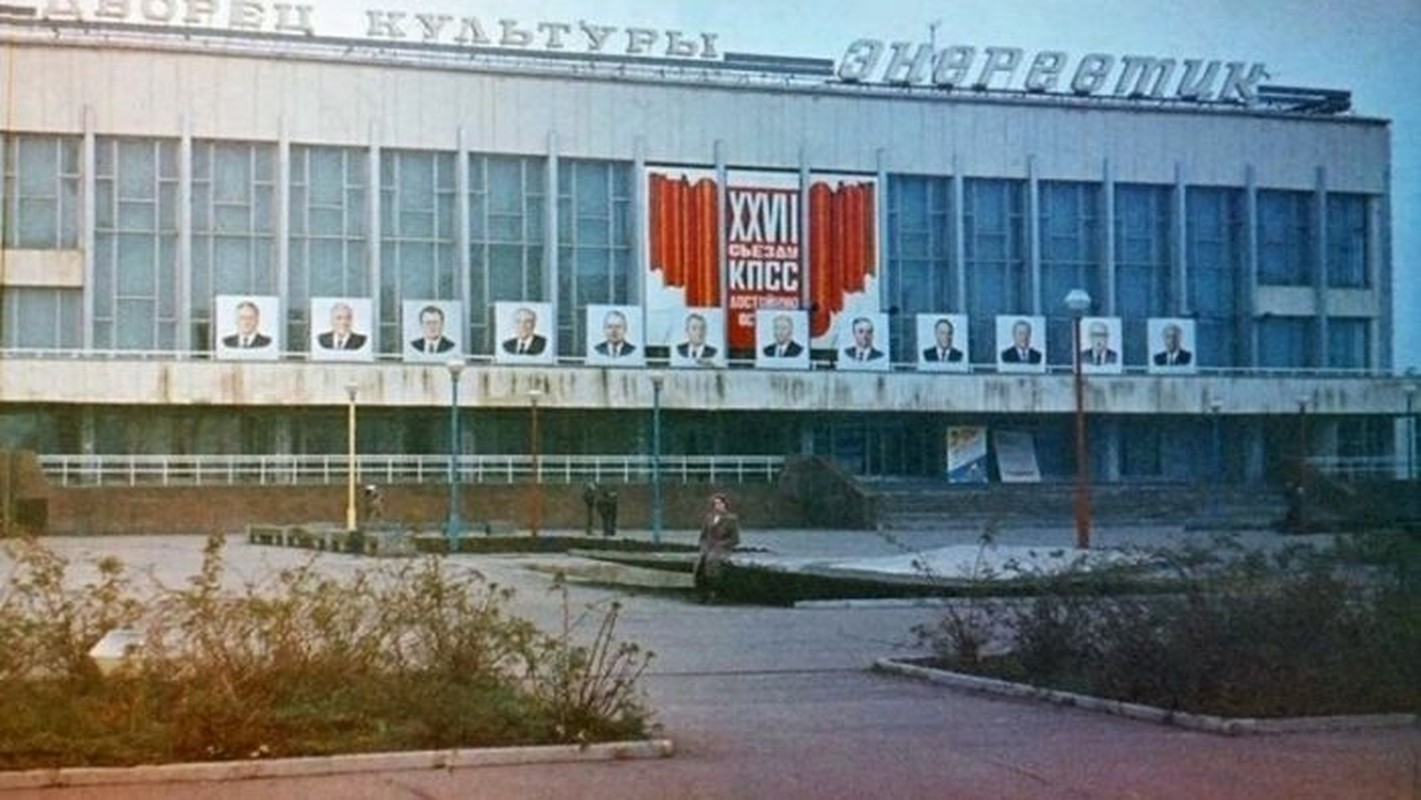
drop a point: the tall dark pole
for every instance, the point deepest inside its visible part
(1301, 487)
(1410, 433)
(537, 511)
(656, 381)
(452, 523)
(352, 468)
(1217, 460)
(1082, 494)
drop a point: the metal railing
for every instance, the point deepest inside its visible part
(284, 470)
(1363, 467)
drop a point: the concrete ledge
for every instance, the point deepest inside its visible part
(1228, 726)
(334, 765)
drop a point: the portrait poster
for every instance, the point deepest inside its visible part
(700, 341)
(1016, 457)
(247, 327)
(1171, 346)
(614, 336)
(341, 329)
(524, 333)
(780, 341)
(967, 454)
(1101, 352)
(862, 344)
(432, 330)
(942, 343)
(764, 249)
(1021, 343)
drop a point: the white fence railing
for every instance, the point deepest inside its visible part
(1365, 467)
(216, 470)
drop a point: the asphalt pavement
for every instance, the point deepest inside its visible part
(780, 703)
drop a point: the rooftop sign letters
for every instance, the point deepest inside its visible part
(400, 26)
(1007, 68)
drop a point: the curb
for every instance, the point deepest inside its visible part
(1206, 723)
(215, 771)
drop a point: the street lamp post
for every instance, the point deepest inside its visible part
(1215, 407)
(656, 383)
(1300, 488)
(452, 524)
(1078, 301)
(537, 516)
(352, 469)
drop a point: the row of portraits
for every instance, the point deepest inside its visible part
(695, 337)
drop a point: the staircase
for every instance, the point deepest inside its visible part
(911, 504)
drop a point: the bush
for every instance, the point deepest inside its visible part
(1239, 633)
(409, 656)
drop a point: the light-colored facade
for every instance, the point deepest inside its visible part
(148, 172)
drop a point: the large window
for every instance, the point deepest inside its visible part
(233, 225)
(1143, 216)
(1070, 256)
(328, 236)
(995, 235)
(1285, 342)
(507, 200)
(136, 244)
(1285, 238)
(41, 192)
(920, 277)
(594, 243)
(1348, 342)
(1214, 229)
(1347, 241)
(417, 234)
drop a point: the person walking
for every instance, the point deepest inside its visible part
(720, 534)
(589, 498)
(607, 507)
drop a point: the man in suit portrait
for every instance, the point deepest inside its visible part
(431, 325)
(614, 343)
(247, 337)
(783, 345)
(862, 349)
(695, 347)
(1021, 351)
(1173, 354)
(1098, 351)
(942, 349)
(342, 335)
(525, 340)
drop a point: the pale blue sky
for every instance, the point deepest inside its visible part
(1366, 46)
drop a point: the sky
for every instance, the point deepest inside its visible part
(1365, 46)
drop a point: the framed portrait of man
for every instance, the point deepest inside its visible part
(1021, 343)
(614, 336)
(781, 338)
(700, 340)
(431, 330)
(525, 333)
(341, 329)
(862, 343)
(247, 327)
(1100, 351)
(1171, 345)
(942, 342)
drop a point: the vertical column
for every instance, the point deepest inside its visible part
(462, 263)
(1106, 305)
(550, 221)
(1379, 272)
(1107, 455)
(281, 203)
(1319, 267)
(959, 235)
(1247, 310)
(722, 190)
(640, 224)
(1033, 239)
(185, 341)
(88, 205)
(1179, 254)
(1253, 450)
(880, 224)
(373, 199)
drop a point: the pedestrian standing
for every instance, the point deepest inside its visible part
(607, 507)
(589, 498)
(720, 534)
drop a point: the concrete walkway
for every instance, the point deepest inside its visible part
(778, 703)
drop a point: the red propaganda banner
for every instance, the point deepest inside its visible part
(843, 251)
(764, 266)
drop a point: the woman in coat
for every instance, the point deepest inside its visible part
(720, 534)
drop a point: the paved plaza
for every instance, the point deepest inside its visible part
(779, 703)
